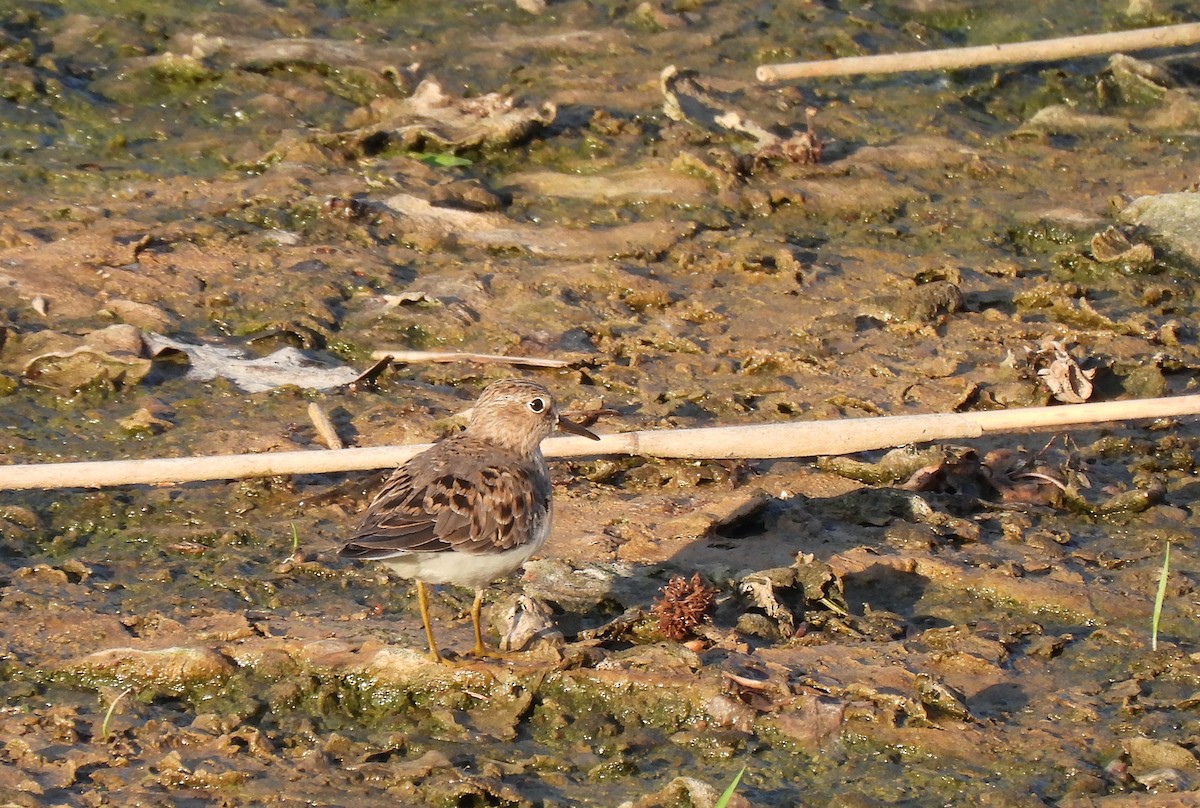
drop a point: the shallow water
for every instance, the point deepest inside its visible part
(984, 638)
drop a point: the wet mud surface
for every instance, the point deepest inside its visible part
(965, 623)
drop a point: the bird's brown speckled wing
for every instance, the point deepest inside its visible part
(454, 498)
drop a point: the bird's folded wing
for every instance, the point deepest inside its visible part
(481, 509)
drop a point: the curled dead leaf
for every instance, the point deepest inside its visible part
(1053, 364)
(1112, 246)
(523, 621)
(688, 98)
(432, 118)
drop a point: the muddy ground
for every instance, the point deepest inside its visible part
(966, 623)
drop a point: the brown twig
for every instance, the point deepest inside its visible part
(1045, 50)
(795, 439)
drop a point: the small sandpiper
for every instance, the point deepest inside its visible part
(474, 506)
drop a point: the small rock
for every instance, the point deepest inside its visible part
(1140, 82)
(1170, 220)
(684, 791)
(175, 667)
(142, 315)
(939, 696)
(1061, 119)
(144, 422)
(927, 303)
(1148, 756)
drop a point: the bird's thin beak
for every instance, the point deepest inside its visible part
(571, 426)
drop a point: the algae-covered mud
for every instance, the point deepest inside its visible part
(213, 215)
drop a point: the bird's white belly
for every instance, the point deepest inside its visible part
(460, 569)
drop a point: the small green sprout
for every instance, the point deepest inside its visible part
(1158, 598)
(723, 801)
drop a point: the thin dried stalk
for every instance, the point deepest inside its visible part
(415, 357)
(797, 439)
(1045, 50)
(324, 427)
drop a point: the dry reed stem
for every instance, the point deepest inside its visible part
(324, 427)
(415, 357)
(1045, 50)
(796, 439)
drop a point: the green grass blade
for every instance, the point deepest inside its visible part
(1158, 598)
(728, 795)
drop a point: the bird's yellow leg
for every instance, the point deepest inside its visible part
(476, 619)
(476, 609)
(423, 602)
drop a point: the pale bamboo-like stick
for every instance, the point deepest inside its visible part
(796, 439)
(414, 357)
(1045, 50)
(324, 427)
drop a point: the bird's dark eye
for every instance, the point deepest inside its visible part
(537, 404)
